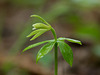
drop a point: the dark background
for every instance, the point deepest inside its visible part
(78, 19)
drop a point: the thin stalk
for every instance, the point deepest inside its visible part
(54, 34)
(41, 19)
(56, 59)
(56, 52)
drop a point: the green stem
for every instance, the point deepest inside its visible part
(56, 52)
(41, 19)
(56, 59)
(54, 34)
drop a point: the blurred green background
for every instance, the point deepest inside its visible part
(78, 19)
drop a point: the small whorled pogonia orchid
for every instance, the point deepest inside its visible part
(65, 49)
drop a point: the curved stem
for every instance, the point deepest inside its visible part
(54, 34)
(56, 51)
(41, 19)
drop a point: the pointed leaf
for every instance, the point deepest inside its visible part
(34, 32)
(44, 50)
(70, 40)
(39, 33)
(40, 26)
(66, 52)
(36, 44)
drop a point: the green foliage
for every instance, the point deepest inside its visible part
(40, 26)
(66, 52)
(39, 29)
(39, 33)
(44, 50)
(70, 40)
(34, 32)
(36, 44)
(66, 8)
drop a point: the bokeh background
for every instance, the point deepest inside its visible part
(78, 19)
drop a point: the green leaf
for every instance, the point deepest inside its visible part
(66, 52)
(70, 40)
(44, 50)
(40, 26)
(36, 44)
(39, 33)
(34, 32)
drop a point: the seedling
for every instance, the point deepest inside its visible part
(65, 49)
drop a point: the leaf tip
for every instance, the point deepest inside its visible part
(27, 36)
(33, 15)
(80, 43)
(71, 63)
(23, 51)
(31, 39)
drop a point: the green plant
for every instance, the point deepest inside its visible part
(39, 29)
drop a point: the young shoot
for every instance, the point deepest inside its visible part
(65, 49)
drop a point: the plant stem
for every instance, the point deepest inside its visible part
(54, 34)
(56, 52)
(41, 19)
(56, 59)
